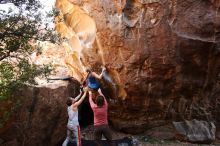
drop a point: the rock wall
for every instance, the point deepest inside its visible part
(162, 54)
(162, 59)
(40, 117)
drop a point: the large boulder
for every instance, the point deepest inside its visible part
(195, 131)
(162, 55)
(39, 115)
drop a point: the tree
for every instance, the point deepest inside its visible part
(19, 30)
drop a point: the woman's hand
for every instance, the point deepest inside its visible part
(85, 89)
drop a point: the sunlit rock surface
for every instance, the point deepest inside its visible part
(165, 54)
(51, 54)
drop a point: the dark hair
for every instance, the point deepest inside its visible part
(69, 101)
(93, 89)
(88, 70)
(99, 100)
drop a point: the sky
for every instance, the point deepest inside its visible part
(47, 5)
(5, 7)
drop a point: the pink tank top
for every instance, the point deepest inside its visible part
(100, 113)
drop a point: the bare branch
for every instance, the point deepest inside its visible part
(5, 55)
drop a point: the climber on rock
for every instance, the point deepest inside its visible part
(73, 128)
(93, 79)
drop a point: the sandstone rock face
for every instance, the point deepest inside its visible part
(196, 131)
(41, 118)
(164, 55)
(162, 59)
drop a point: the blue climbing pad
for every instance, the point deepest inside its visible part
(118, 142)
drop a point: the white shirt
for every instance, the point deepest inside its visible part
(73, 116)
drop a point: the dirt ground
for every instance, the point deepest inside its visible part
(142, 140)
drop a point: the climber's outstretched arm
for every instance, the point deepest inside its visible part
(77, 97)
(98, 76)
(81, 99)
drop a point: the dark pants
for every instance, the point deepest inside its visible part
(102, 130)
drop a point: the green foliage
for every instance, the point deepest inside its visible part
(7, 113)
(15, 76)
(19, 30)
(6, 76)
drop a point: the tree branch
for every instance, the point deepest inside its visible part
(4, 56)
